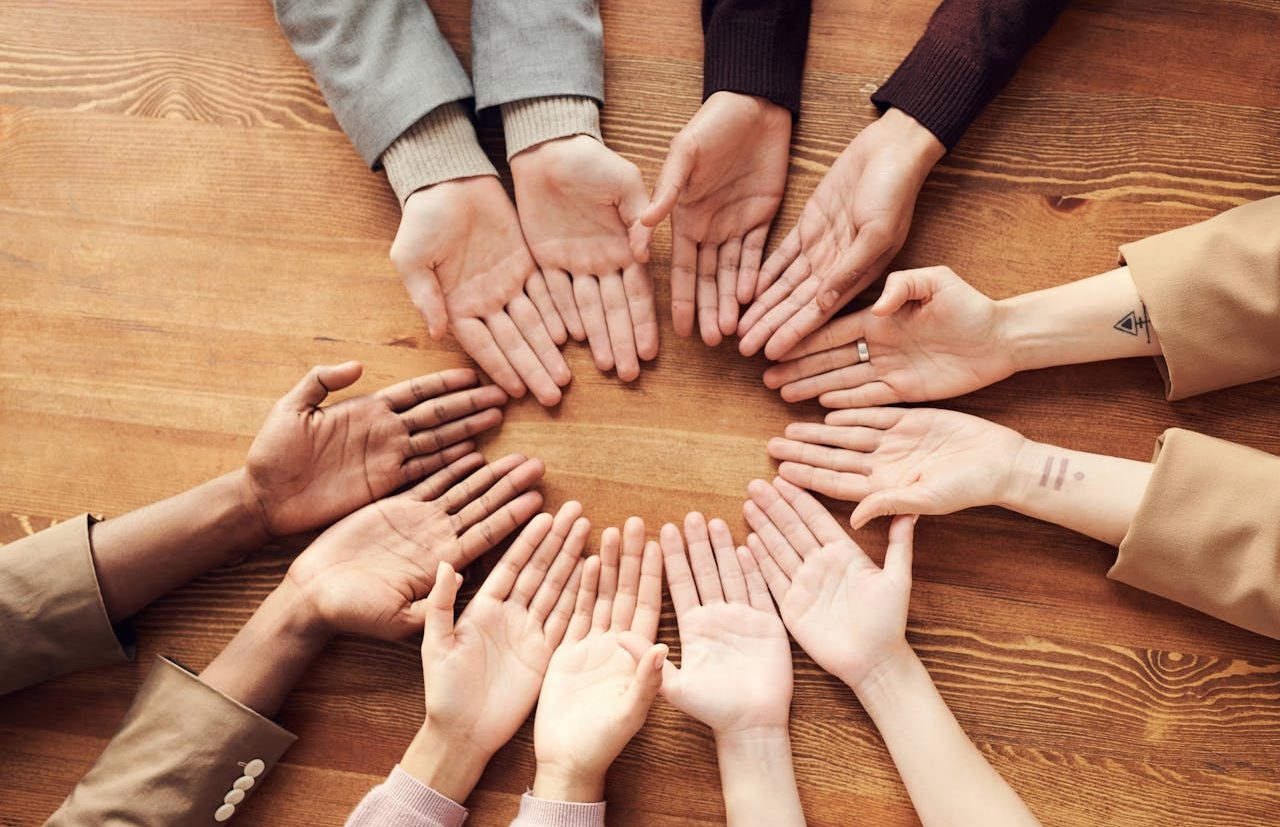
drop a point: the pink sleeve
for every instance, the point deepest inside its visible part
(404, 801)
(537, 812)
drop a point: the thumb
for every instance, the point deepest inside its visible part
(905, 286)
(904, 499)
(868, 255)
(424, 290)
(438, 619)
(319, 382)
(673, 177)
(648, 678)
(897, 557)
(631, 206)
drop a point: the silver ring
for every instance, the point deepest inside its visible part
(863, 354)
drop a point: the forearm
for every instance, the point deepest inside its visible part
(1092, 494)
(1089, 320)
(758, 778)
(448, 765)
(949, 781)
(146, 553)
(265, 659)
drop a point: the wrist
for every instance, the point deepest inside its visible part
(250, 509)
(556, 782)
(880, 687)
(448, 764)
(771, 740)
(1026, 468)
(1024, 334)
(911, 137)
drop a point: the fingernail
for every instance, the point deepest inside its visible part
(828, 299)
(915, 518)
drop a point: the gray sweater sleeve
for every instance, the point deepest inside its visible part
(381, 65)
(536, 48)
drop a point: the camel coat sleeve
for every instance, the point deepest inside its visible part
(52, 619)
(1207, 532)
(185, 754)
(1213, 294)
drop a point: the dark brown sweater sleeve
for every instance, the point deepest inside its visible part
(756, 47)
(967, 54)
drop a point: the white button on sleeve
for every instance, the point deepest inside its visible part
(224, 812)
(244, 782)
(254, 768)
(234, 796)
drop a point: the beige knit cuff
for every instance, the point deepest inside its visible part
(535, 120)
(441, 146)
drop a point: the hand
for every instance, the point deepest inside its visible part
(368, 574)
(901, 461)
(722, 184)
(579, 204)
(309, 466)
(844, 610)
(853, 225)
(929, 335)
(735, 661)
(604, 676)
(465, 264)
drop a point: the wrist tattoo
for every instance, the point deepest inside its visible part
(1048, 476)
(1135, 323)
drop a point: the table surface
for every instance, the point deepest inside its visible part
(184, 230)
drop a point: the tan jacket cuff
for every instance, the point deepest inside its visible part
(1206, 533)
(51, 608)
(441, 146)
(534, 121)
(184, 754)
(1213, 293)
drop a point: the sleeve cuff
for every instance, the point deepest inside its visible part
(538, 812)
(51, 608)
(533, 121)
(404, 801)
(1205, 533)
(939, 87)
(441, 146)
(748, 56)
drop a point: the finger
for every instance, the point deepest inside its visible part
(850, 437)
(805, 453)
(617, 316)
(749, 263)
(888, 502)
(838, 332)
(727, 258)
(610, 552)
(319, 382)
(523, 568)
(757, 589)
(765, 532)
(702, 560)
(649, 596)
(437, 439)
(767, 313)
(435, 485)
(478, 342)
(629, 564)
(585, 604)
(402, 396)
(648, 678)
(638, 285)
(447, 408)
(490, 531)
(424, 291)
(528, 321)
(684, 594)
(804, 318)
(708, 298)
(879, 418)
(801, 365)
(869, 395)
(897, 557)
(586, 291)
(517, 481)
(438, 623)
(671, 180)
(854, 376)
(561, 288)
(776, 580)
(815, 516)
(544, 384)
(870, 253)
(632, 203)
(550, 594)
(538, 292)
(731, 579)
(414, 469)
(558, 618)
(461, 493)
(838, 485)
(784, 517)
(684, 262)
(778, 263)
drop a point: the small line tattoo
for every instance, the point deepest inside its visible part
(1047, 473)
(1134, 323)
(1048, 468)
(1062, 474)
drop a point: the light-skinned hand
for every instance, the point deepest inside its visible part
(929, 335)
(463, 259)
(605, 674)
(846, 612)
(370, 572)
(580, 205)
(851, 228)
(901, 460)
(722, 184)
(735, 660)
(309, 465)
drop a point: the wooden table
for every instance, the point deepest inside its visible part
(184, 230)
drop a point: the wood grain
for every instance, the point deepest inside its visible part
(183, 230)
